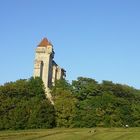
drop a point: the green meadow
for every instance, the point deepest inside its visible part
(73, 134)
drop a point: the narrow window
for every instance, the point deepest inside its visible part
(41, 69)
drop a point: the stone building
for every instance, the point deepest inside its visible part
(45, 67)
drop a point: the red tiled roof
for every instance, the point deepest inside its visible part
(44, 43)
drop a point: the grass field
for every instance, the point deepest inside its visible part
(73, 134)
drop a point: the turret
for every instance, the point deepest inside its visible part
(43, 62)
(45, 67)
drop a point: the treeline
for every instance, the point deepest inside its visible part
(83, 103)
(87, 103)
(23, 105)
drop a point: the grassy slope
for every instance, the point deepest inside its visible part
(73, 134)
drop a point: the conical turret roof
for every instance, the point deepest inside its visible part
(44, 43)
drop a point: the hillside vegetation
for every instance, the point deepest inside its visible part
(23, 105)
(83, 103)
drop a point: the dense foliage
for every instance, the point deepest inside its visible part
(87, 103)
(65, 104)
(83, 103)
(23, 105)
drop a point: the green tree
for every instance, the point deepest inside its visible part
(24, 105)
(84, 87)
(64, 103)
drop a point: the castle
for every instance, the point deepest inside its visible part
(45, 67)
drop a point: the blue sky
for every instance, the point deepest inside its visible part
(92, 38)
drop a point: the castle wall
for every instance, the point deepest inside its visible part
(54, 73)
(45, 67)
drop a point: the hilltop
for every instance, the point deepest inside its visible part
(83, 103)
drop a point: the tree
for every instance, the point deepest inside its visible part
(24, 105)
(64, 103)
(84, 87)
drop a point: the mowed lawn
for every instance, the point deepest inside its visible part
(73, 134)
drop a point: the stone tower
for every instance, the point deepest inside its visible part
(45, 67)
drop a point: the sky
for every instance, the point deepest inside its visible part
(99, 39)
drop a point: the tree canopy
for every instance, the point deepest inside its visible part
(23, 105)
(82, 103)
